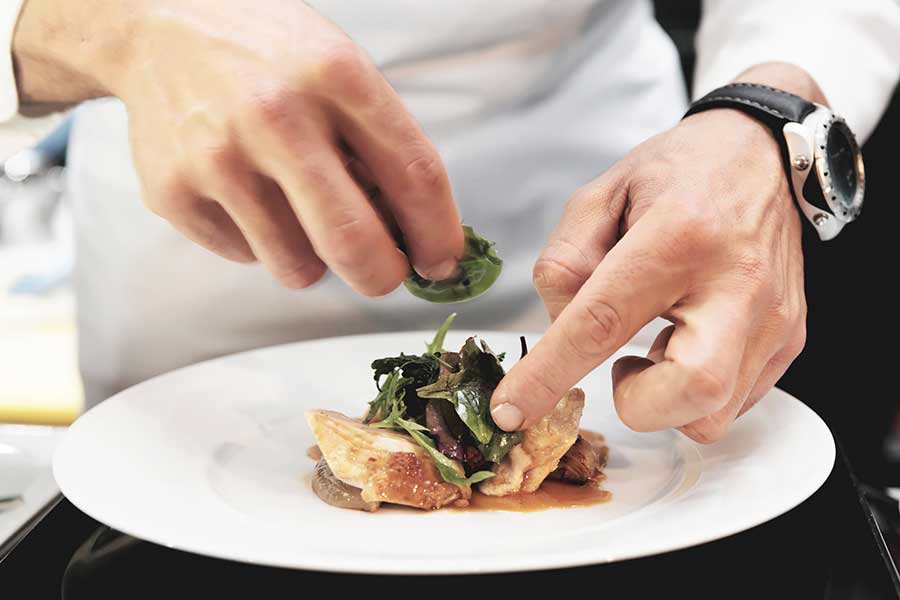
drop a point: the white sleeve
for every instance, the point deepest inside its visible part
(16, 131)
(850, 47)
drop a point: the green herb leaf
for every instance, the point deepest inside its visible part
(468, 398)
(437, 344)
(416, 370)
(405, 381)
(411, 425)
(500, 445)
(388, 405)
(479, 268)
(445, 466)
(469, 390)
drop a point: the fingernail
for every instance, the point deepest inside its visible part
(507, 416)
(444, 270)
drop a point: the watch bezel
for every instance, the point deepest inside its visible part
(823, 168)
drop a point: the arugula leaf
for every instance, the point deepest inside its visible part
(408, 425)
(389, 408)
(405, 382)
(422, 369)
(470, 389)
(468, 398)
(417, 371)
(445, 466)
(388, 405)
(436, 345)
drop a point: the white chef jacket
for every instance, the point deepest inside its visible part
(526, 100)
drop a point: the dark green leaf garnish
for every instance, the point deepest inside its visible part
(436, 345)
(469, 390)
(479, 268)
(500, 445)
(388, 405)
(461, 383)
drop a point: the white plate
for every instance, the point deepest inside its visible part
(211, 459)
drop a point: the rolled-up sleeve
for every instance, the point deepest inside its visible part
(16, 131)
(850, 47)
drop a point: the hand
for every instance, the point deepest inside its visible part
(255, 129)
(696, 225)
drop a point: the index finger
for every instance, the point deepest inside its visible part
(632, 285)
(410, 173)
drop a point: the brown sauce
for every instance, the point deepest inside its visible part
(314, 453)
(551, 494)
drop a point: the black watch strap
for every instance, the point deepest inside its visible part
(772, 106)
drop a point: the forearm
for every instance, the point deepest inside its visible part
(65, 52)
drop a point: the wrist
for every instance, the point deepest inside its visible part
(65, 52)
(820, 155)
(735, 126)
(781, 76)
(787, 77)
(736, 129)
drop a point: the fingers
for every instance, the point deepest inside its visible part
(262, 212)
(410, 174)
(768, 353)
(713, 427)
(581, 240)
(629, 288)
(773, 371)
(296, 134)
(203, 221)
(698, 373)
(343, 226)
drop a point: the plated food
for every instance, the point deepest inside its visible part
(428, 441)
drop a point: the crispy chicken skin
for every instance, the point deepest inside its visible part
(386, 466)
(538, 454)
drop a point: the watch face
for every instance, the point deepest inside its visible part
(840, 169)
(840, 155)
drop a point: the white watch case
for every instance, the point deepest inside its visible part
(806, 144)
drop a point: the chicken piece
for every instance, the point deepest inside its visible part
(580, 464)
(538, 454)
(386, 466)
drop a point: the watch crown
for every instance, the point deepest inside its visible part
(820, 219)
(801, 162)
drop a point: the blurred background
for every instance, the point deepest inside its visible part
(843, 373)
(39, 381)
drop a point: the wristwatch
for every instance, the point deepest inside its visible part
(822, 160)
